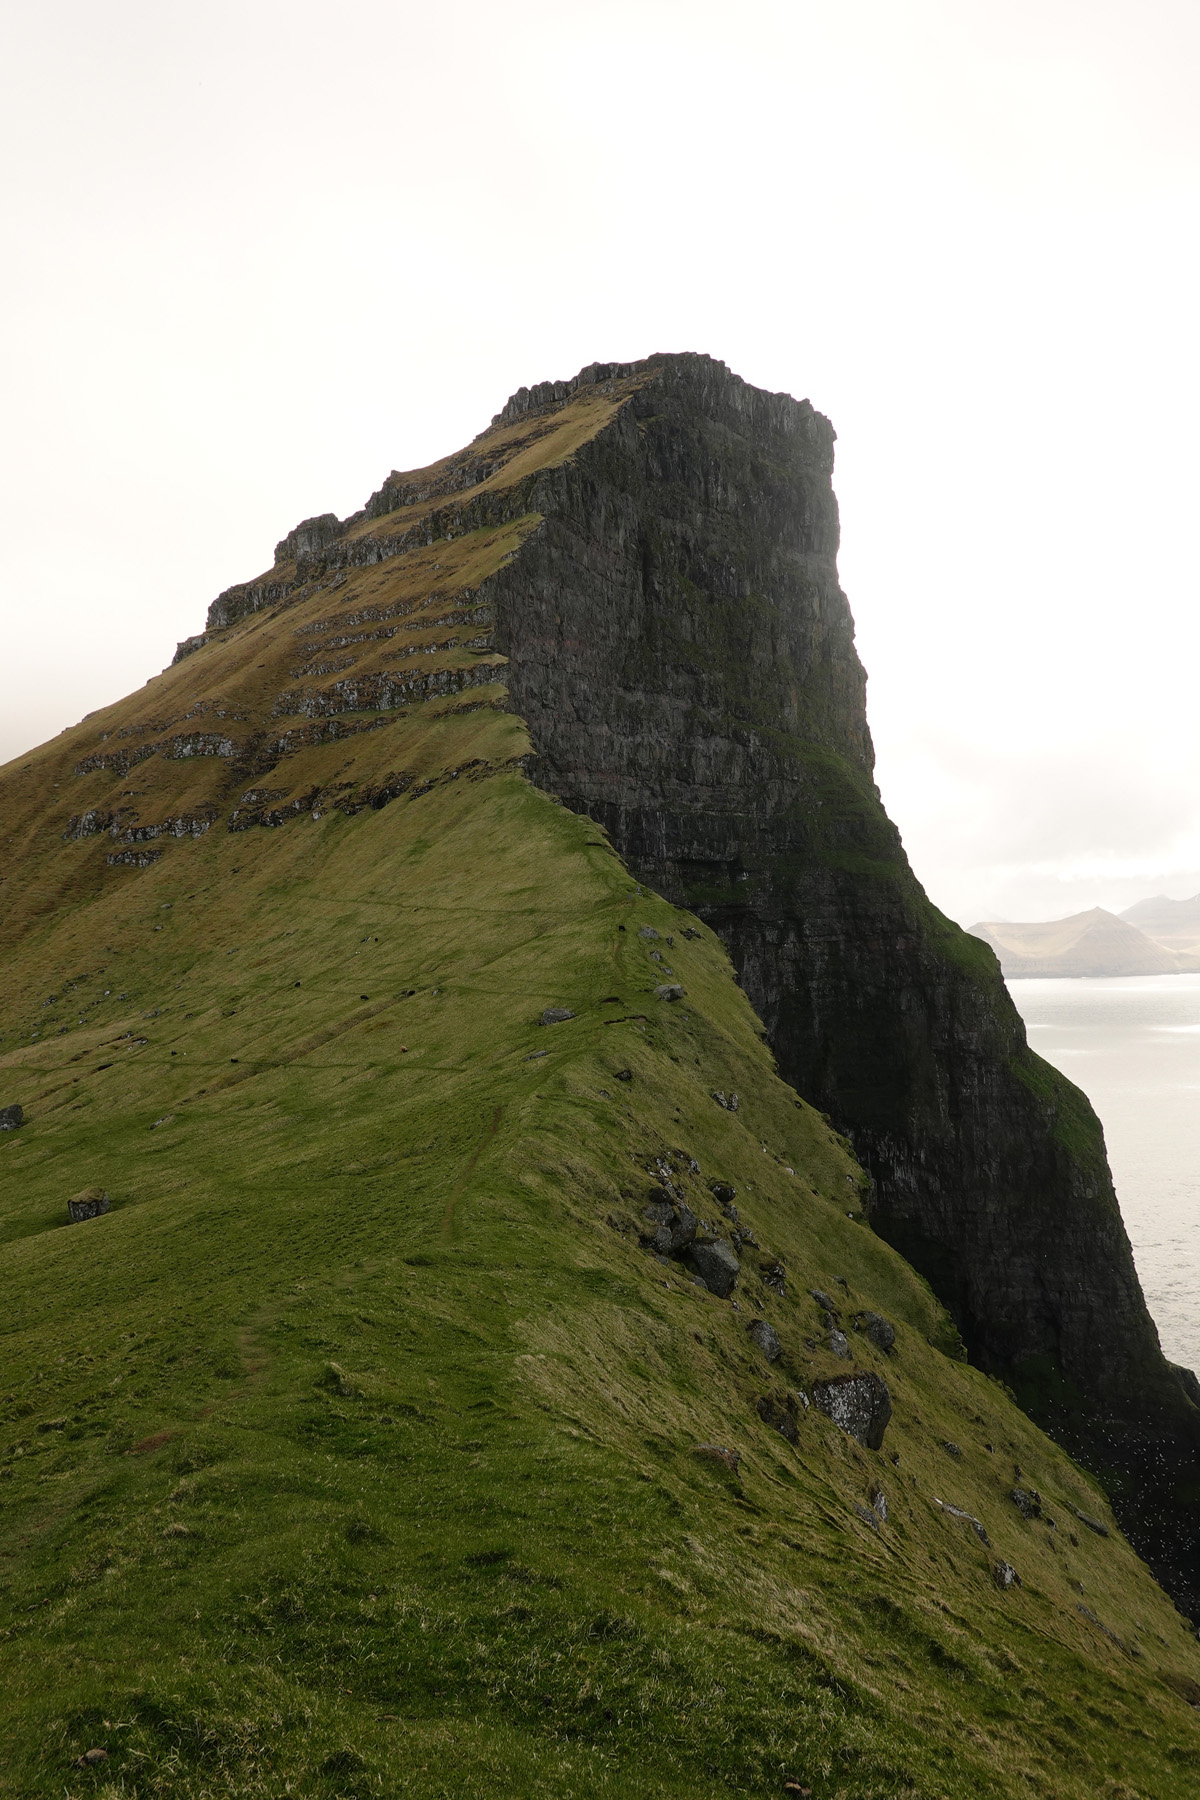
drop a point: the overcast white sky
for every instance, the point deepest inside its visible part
(257, 254)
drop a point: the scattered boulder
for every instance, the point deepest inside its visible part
(774, 1276)
(719, 1454)
(780, 1415)
(879, 1504)
(860, 1404)
(728, 1101)
(1096, 1525)
(91, 1758)
(670, 991)
(623, 1075)
(839, 1344)
(723, 1194)
(675, 1224)
(766, 1338)
(866, 1514)
(952, 1449)
(689, 933)
(11, 1118)
(89, 1204)
(822, 1299)
(717, 1266)
(133, 859)
(647, 931)
(1028, 1502)
(1005, 1576)
(881, 1331)
(557, 1015)
(1130, 1649)
(956, 1512)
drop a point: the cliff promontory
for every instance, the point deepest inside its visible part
(445, 1345)
(683, 654)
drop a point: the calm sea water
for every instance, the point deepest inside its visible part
(1133, 1045)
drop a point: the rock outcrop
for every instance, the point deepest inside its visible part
(683, 654)
(860, 1404)
(92, 1203)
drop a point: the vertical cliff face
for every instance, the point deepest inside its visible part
(683, 655)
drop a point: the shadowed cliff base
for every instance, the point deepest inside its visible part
(683, 654)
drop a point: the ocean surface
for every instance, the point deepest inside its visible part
(1133, 1045)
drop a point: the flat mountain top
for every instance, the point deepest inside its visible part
(476, 1379)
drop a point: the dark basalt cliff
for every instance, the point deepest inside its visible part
(683, 654)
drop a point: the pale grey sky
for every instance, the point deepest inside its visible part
(255, 255)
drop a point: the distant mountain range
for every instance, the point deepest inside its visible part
(1153, 937)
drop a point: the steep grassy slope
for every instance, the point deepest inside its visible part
(354, 1451)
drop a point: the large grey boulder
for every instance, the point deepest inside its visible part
(881, 1331)
(11, 1118)
(765, 1336)
(90, 1204)
(860, 1404)
(716, 1265)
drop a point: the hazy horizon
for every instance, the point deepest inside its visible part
(260, 255)
(1084, 909)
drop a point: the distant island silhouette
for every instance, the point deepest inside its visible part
(1152, 937)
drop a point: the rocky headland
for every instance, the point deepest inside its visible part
(668, 622)
(504, 1172)
(682, 651)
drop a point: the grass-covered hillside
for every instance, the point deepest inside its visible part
(363, 1447)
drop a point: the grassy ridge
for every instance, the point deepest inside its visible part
(352, 1453)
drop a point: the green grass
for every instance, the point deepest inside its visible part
(352, 1452)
